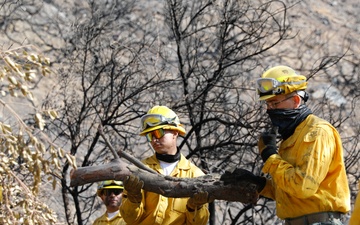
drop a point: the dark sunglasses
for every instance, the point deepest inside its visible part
(108, 192)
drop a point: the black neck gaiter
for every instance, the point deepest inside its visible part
(288, 119)
(168, 158)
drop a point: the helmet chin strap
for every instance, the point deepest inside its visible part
(151, 147)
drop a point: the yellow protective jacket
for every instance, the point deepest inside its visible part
(103, 220)
(308, 173)
(157, 209)
(355, 216)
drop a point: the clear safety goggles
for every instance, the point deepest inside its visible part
(265, 85)
(159, 133)
(152, 120)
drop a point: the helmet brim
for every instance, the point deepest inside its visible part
(112, 187)
(178, 128)
(98, 192)
(265, 97)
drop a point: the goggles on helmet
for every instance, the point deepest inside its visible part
(152, 120)
(265, 85)
(111, 184)
(159, 133)
(273, 86)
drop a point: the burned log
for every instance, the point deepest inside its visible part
(231, 186)
(244, 191)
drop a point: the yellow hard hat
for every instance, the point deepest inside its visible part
(109, 184)
(161, 117)
(279, 80)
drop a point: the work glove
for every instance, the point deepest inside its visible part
(197, 201)
(239, 175)
(133, 186)
(267, 143)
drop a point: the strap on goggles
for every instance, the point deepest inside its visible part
(151, 120)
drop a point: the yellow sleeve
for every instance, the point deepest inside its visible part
(312, 160)
(131, 212)
(198, 217)
(355, 216)
(268, 191)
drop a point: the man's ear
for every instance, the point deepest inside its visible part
(297, 101)
(176, 133)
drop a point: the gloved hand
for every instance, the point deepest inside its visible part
(198, 200)
(133, 186)
(267, 143)
(243, 175)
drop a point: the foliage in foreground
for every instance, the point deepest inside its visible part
(27, 157)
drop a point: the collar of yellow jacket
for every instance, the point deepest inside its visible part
(153, 162)
(311, 119)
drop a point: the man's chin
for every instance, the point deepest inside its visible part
(114, 204)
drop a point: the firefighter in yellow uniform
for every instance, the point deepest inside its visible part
(308, 177)
(355, 216)
(110, 192)
(161, 126)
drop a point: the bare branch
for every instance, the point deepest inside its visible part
(131, 159)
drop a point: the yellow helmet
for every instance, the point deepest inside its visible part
(109, 184)
(161, 117)
(279, 80)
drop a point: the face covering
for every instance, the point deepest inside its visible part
(288, 119)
